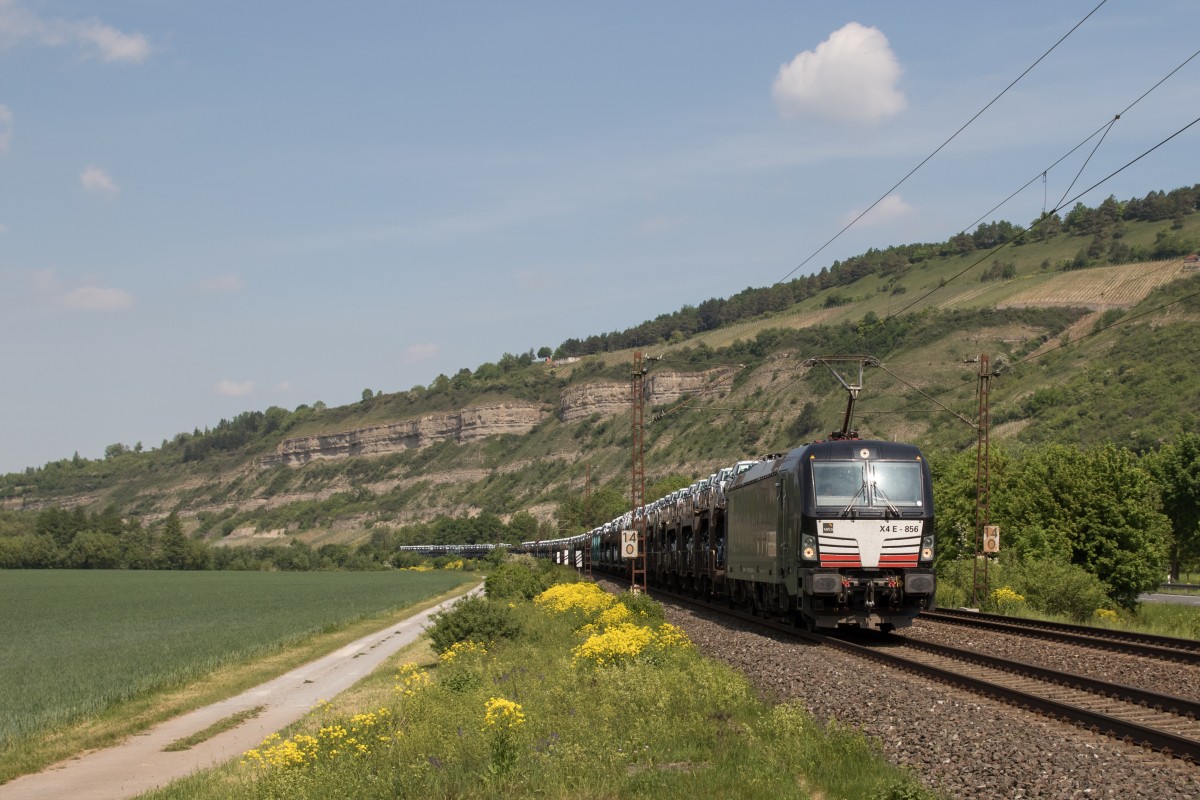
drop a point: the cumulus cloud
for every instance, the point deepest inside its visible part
(222, 284)
(93, 37)
(889, 209)
(95, 180)
(416, 353)
(6, 129)
(85, 297)
(228, 388)
(112, 44)
(849, 77)
(97, 298)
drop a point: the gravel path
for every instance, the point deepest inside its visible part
(958, 743)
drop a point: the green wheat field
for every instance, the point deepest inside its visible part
(75, 642)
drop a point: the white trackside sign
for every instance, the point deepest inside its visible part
(629, 544)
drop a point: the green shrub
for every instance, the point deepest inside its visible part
(648, 610)
(473, 619)
(513, 580)
(524, 578)
(1047, 585)
(1054, 587)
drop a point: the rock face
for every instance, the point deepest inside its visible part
(575, 404)
(460, 426)
(608, 399)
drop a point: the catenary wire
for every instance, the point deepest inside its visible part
(1012, 241)
(940, 147)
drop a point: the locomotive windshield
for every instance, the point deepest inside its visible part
(865, 484)
(898, 483)
(840, 483)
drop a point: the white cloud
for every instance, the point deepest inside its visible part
(849, 77)
(95, 38)
(416, 353)
(889, 209)
(95, 180)
(228, 388)
(88, 297)
(114, 45)
(223, 284)
(97, 298)
(6, 129)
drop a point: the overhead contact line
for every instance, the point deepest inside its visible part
(940, 147)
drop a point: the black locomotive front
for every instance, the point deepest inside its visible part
(840, 532)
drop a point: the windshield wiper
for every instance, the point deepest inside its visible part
(850, 506)
(891, 506)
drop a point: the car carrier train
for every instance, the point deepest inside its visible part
(833, 533)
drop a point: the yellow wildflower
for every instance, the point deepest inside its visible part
(586, 597)
(502, 713)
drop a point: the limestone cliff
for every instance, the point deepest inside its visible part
(462, 426)
(608, 399)
(470, 424)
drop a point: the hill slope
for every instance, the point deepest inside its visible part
(1087, 355)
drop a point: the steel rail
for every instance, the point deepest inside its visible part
(1165, 647)
(1164, 741)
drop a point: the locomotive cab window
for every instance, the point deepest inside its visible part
(897, 482)
(862, 484)
(840, 483)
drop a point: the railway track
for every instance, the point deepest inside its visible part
(1167, 724)
(1186, 651)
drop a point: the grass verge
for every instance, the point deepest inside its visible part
(571, 701)
(220, 726)
(33, 753)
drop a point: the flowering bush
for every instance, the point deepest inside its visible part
(467, 648)
(355, 737)
(585, 597)
(1006, 601)
(462, 666)
(410, 680)
(1107, 615)
(627, 643)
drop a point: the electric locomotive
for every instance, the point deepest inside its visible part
(837, 532)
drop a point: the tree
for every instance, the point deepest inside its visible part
(1176, 467)
(173, 545)
(94, 550)
(137, 546)
(367, 394)
(544, 352)
(1096, 509)
(522, 527)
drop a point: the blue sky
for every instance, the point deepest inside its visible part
(208, 208)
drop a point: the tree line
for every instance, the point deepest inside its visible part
(1104, 224)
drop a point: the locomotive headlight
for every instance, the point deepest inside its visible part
(808, 547)
(927, 548)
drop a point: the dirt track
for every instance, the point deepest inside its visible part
(139, 764)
